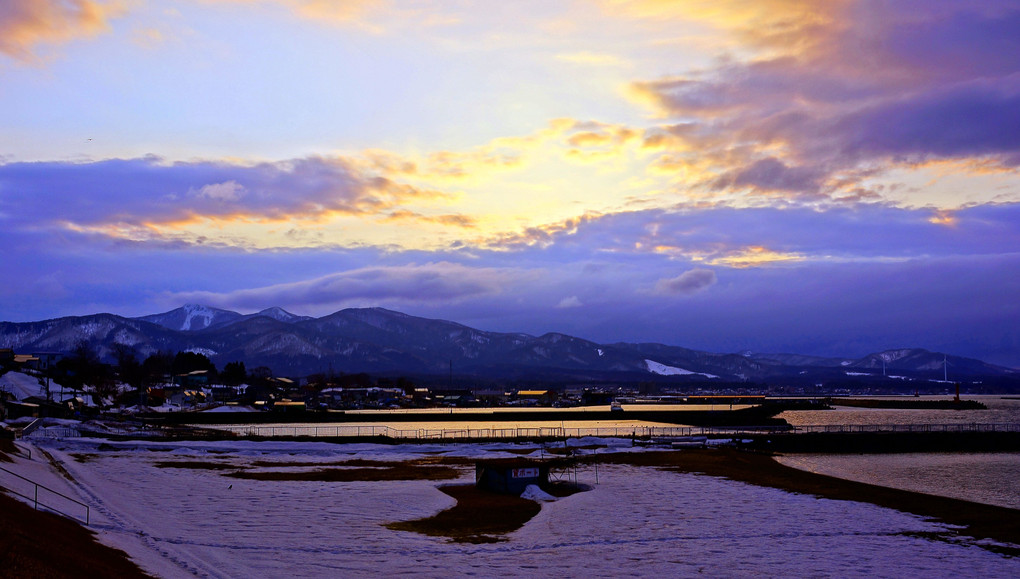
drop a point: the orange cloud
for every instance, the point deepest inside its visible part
(452, 220)
(755, 256)
(943, 218)
(373, 16)
(25, 24)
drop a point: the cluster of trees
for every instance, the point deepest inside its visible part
(84, 370)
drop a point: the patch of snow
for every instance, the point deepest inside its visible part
(601, 353)
(21, 385)
(664, 370)
(195, 313)
(533, 493)
(229, 408)
(857, 373)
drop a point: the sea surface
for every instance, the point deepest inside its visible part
(992, 478)
(1000, 410)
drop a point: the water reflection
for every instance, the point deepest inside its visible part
(1000, 411)
(990, 478)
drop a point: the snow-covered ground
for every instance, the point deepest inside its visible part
(21, 385)
(178, 522)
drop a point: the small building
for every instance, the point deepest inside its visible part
(510, 475)
(540, 397)
(289, 406)
(46, 360)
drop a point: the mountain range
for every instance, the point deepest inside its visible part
(384, 342)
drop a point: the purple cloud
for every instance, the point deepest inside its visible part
(441, 282)
(871, 87)
(687, 283)
(136, 192)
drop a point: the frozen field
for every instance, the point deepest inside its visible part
(178, 522)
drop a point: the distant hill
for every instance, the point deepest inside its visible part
(385, 342)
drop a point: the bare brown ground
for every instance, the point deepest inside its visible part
(482, 516)
(430, 460)
(38, 544)
(977, 520)
(478, 517)
(6, 448)
(397, 472)
(195, 464)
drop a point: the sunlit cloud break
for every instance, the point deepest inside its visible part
(830, 176)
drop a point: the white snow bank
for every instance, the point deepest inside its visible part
(21, 385)
(664, 370)
(533, 493)
(227, 408)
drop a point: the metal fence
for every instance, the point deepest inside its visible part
(299, 430)
(340, 431)
(43, 496)
(57, 432)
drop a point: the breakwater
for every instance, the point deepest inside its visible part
(908, 404)
(1005, 438)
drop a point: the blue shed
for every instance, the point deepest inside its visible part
(510, 475)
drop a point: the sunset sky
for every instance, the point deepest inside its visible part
(831, 177)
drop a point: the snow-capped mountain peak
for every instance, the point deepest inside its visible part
(192, 317)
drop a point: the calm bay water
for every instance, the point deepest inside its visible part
(1000, 410)
(990, 478)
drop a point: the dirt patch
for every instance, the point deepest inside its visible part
(59, 467)
(7, 448)
(447, 460)
(478, 517)
(482, 516)
(39, 544)
(571, 450)
(84, 457)
(974, 519)
(518, 451)
(354, 462)
(401, 471)
(195, 464)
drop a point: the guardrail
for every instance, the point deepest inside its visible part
(59, 432)
(31, 427)
(25, 452)
(56, 499)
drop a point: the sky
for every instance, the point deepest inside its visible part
(825, 177)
